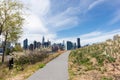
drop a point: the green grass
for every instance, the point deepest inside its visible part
(26, 68)
(41, 65)
(105, 78)
(102, 54)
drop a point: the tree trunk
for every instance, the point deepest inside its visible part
(4, 47)
(1, 27)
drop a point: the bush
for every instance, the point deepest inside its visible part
(29, 59)
(111, 59)
(19, 67)
(100, 59)
(17, 48)
(105, 78)
(7, 52)
(95, 57)
(41, 65)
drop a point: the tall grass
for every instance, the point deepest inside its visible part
(26, 65)
(95, 57)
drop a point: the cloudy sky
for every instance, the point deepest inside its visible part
(58, 20)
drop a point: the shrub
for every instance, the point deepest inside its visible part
(105, 78)
(41, 65)
(19, 67)
(29, 59)
(111, 59)
(17, 48)
(7, 51)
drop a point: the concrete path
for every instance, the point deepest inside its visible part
(57, 69)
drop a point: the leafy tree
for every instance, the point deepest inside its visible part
(11, 20)
(17, 48)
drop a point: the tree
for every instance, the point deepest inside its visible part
(17, 48)
(11, 20)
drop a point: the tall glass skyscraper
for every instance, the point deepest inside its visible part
(25, 44)
(43, 40)
(78, 43)
(69, 45)
(35, 44)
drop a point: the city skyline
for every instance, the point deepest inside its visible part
(68, 45)
(90, 20)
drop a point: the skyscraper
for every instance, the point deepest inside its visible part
(38, 44)
(48, 43)
(78, 43)
(35, 44)
(43, 40)
(63, 43)
(74, 46)
(69, 45)
(31, 47)
(25, 44)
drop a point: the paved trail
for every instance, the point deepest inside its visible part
(57, 69)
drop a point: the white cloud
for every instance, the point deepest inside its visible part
(115, 19)
(34, 24)
(64, 20)
(35, 29)
(39, 24)
(37, 37)
(39, 7)
(95, 3)
(63, 23)
(92, 37)
(101, 37)
(71, 16)
(92, 34)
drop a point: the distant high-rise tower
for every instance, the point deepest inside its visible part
(25, 44)
(35, 44)
(78, 43)
(49, 43)
(69, 45)
(43, 40)
(75, 46)
(63, 43)
(31, 47)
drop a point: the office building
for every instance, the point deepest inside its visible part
(31, 47)
(43, 40)
(74, 46)
(78, 43)
(69, 45)
(38, 44)
(25, 44)
(35, 44)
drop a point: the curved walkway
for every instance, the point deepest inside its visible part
(56, 69)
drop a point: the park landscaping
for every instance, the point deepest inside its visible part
(26, 64)
(99, 61)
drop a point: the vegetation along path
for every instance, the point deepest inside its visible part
(57, 69)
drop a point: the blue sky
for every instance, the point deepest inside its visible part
(58, 20)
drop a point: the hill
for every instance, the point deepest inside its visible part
(96, 62)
